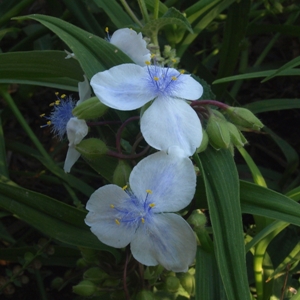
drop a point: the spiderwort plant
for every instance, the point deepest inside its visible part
(143, 214)
(169, 120)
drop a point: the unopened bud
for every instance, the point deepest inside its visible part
(244, 118)
(121, 173)
(204, 142)
(85, 288)
(90, 109)
(197, 219)
(236, 136)
(187, 281)
(95, 275)
(145, 295)
(57, 283)
(172, 284)
(217, 131)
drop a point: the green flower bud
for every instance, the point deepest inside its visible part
(187, 281)
(172, 284)
(197, 219)
(90, 109)
(81, 263)
(28, 256)
(85, 288)
(111, 283)
(91, 148)
(56, 283)
(121, 173)
(217, 131)
(145, 295)
(204, 142)
(89, 255)
(244, 118)
(95, 275)
(236, 136)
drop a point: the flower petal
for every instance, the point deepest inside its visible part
(170, 178)
(102, 216)
(84, 90)
(76, 131)
(187, 88)
(71, 158)
(131, 44)
(123, 87)
(167, 240)
(171, 122)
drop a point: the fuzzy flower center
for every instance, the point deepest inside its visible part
(134, 212)
(163, 81)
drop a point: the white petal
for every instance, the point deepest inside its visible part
(123, 87)
(168, 241)
(171, 179)
(72, 157)
(187, 88)
(171, 122)
(84, 90)
(76, 131)
(102, 216)
(131, 44)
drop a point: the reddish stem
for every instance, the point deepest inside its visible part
(210, 102)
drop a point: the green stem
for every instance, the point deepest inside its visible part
(156, 9)
(144, 11)
(9, 100)
(131, 13)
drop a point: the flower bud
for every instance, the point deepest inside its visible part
(243, 118)
(204, 142)
(90, 109)
(95, 275)
(89, 255)
(187, 281)
(172, 284)
(197, 219)
(56, 283)
(121, 173)
(111, 283)
(145, 295)
(236, 137)
(217, 131)
(85, 288)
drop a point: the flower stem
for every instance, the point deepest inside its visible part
(131, 13)
(156, 9)
(210, 102)
(144, 11)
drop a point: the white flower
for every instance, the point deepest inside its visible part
(76, 129)
(169, 121)
(132, 44)
(143, 215)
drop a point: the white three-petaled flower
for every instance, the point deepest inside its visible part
(143, 215)
(169, 121)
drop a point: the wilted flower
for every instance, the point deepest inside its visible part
(170, 120)
(143, 215)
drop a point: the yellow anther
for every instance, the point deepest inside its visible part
(143, 220)
(106, 29)
(49, 123)
(174, 78)
(54, 103)
(124, 187)
(152, 56)
(182, 72)
(42, 115)
(112, 206)
(147, 62)
(63, 96)
(174, 60)
(117, 221)
(148, 191)
(56, 93)
(155, 78)
(151, 205)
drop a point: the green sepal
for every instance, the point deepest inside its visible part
(121, 174)
(85, 288)
(236, 137)
(204, 143)
(90, 109)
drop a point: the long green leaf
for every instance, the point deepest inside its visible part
(222, 188)
(93, 53)
(261, 201)
(46, 68)
(53, 218)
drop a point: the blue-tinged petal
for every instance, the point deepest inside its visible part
(170, 178)
(71, 158)
(123, 87)
(166, 239)
(131, 44)
(76, 130)
(171, 122)
(104, 216)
